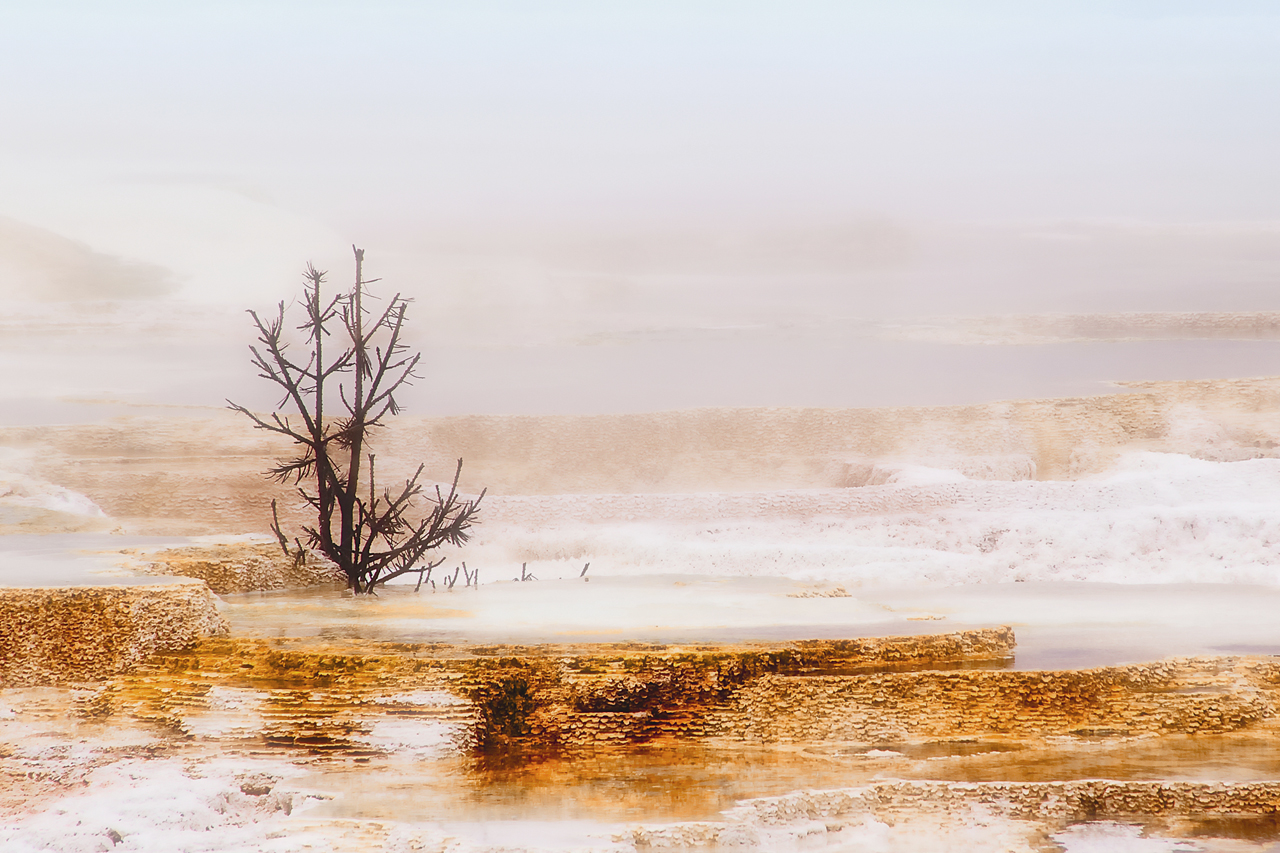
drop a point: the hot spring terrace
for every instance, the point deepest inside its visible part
(681, 737)
(785, 638)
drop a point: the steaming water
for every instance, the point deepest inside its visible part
(94, 364)
(846, 142)
(760, 577)
(1160, 554)
(73, 559)
(1059, 625)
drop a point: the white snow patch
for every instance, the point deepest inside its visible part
(230, 712)
(916, 475)
(150, 806)
(1154, 518)
(976, 831)
(34, 493)
(432, 698)
(415, 738)
(1112, 837)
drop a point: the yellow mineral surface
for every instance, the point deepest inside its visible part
(203, 475)
(56, 635)
(717, 737)
(242, 566)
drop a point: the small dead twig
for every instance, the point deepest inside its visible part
(275, 528)
(427, 572)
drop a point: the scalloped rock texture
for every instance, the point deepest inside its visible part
(1047, 805)
(60, 635)
(588, 698)
(1176, 696)
(367, 704)
(243, 567)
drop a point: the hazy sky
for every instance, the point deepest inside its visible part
(558, 174)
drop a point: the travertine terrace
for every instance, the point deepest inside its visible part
(56, 635)
(550, 699)
(203, 475)
(241, 567)
(930, 710)
(793, 514)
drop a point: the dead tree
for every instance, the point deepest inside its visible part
(335, 401)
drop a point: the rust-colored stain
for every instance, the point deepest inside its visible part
(545, 698)
(573, 699)
(689, 730)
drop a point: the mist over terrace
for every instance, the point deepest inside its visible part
(646, 207)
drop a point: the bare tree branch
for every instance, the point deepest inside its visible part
(373, 535)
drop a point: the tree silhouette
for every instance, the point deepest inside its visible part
(338, 398)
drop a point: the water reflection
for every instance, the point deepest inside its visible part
(650, 783)
(674, 781)
(1060, 625)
